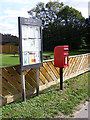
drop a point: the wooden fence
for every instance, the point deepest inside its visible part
(8, 48)
(48, 75)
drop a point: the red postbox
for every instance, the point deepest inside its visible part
(61, 57)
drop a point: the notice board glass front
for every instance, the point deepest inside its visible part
(30, 35)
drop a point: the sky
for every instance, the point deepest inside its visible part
(10, 10)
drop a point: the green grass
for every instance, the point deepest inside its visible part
(71, 53)
(10, 59)
(51, 102)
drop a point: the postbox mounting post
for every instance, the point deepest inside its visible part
(61, 78)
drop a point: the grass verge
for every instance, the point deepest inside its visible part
(51, 102)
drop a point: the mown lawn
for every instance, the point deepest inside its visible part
(71, 53)
(51, 102)
(10, 59)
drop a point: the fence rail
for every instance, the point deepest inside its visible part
(48, 75)
(9, 48)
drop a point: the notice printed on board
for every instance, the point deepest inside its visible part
(31, 44)
(25, 58)
(33, 31)
(28, 45)
(31, 58)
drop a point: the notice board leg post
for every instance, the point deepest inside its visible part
(61, 78)
(37, 81)
(23, 86)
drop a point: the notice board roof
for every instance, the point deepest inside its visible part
(30, 21)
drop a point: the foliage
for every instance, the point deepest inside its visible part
(51, 102)
(16, 44)
(62, 35)
(87, 32)
(69, 15)
(61, 25)
(47, 13)
(66, 30)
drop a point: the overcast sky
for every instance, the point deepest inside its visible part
(11, 9)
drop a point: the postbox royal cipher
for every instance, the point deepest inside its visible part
(61, 56)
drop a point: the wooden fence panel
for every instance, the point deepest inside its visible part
(5, 48)
(12, 49)
(48, 75)
(16, 48)
(11, 79)
(77, 65)
(9, 48)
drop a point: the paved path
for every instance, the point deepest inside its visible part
(84, 112)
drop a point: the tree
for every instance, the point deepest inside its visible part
(69, 15)
(87, 32)
(47, 13)
(74, 22)
(61, 25)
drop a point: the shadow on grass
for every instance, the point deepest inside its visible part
(14, 56)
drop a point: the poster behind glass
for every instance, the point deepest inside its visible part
(31, 44)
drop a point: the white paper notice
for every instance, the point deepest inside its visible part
(38, 44)
(30, 31)
(28, 45)
(37, 56)
(27, 31)
(37, 32)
